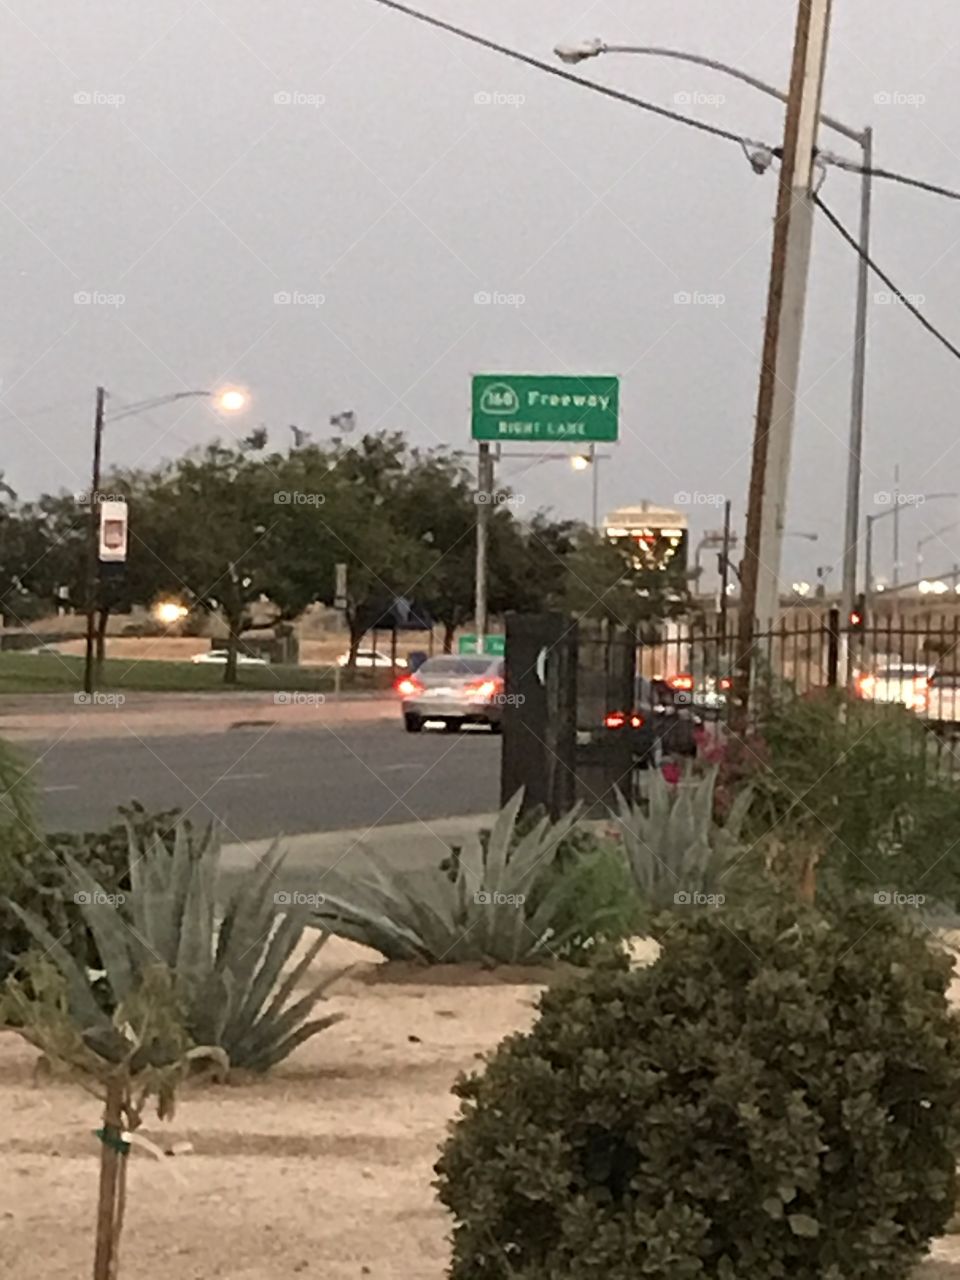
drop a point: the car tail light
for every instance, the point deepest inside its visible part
(614, 720)
(636, 720)
(725, 683)
(681, 682)
(485, 688)
(407, 686)
(921, 692)
(866, 685)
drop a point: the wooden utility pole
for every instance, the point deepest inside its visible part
(93, 546)
(786, 300)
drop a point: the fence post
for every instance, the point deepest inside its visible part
(833, 648)
(540, 714)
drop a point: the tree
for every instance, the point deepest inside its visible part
(605, 580)
(29, 555)
(529, 563)
(435, 506)
(345, 504)
(212, 520)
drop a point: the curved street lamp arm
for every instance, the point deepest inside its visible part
(734, 72)
(144, 406)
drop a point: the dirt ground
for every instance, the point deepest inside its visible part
(321, 1169)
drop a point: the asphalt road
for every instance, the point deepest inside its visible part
(262, 782)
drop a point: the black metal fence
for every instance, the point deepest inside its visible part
(595, 703)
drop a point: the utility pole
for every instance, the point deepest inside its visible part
(786, 301)
(725, 572)
(484, 498)
(93, 552)
(896, 524)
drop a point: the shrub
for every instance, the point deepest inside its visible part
(35, 880)
(857, 778)
(502, 899)
(19, 850)
(777, 1096)
(227, 975)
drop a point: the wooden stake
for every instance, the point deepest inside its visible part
(112, 1181)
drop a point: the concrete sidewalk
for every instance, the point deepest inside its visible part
(54, 716)
(408, 846)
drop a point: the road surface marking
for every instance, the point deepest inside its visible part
(413, 764)
(63, 787)
(240, 777)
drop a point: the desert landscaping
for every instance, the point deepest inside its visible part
(322, 1169)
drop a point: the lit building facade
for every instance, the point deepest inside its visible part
(658, 536)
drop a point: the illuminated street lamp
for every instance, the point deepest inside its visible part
(226, 399)
(169, 612)
(232, 400)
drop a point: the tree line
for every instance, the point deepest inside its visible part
(226, 527)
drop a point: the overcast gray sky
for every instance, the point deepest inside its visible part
(149, 158)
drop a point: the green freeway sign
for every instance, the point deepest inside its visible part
(493, 646)
(528, 406)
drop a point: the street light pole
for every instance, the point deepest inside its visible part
(595, 481)
(851, 528)
(894, 511)
(229, 399)
(93, 539)
(575, 53)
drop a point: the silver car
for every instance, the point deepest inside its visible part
(453, 691)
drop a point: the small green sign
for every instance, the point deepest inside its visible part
(493, 646)
(548, 407)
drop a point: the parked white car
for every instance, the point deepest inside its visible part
(219, 658)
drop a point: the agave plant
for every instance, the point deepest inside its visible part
(674, 845)
(503, 899)
(227, 974)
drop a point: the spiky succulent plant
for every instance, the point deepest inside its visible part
(502, 899)
(228, 974)
(675, 847)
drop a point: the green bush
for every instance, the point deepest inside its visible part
(20, 848)
(862, 781)
(777, 1096)
(34, 878)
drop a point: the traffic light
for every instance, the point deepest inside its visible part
(858, 614)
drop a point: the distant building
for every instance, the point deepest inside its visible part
(658, 535)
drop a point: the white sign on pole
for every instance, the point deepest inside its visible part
(340, 589)
(113, 532)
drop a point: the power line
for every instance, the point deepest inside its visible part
(840, 162)
(901, 297)
(852, 166)
(28, 414)
(561, 74)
